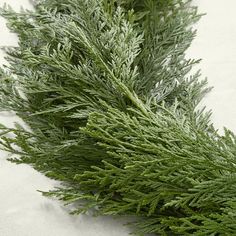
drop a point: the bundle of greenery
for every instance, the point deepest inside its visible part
(112, 111)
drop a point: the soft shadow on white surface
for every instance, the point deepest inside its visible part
(24, 212)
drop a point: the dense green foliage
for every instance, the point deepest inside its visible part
(112, 111)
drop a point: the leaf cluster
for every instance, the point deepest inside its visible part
(105, 90)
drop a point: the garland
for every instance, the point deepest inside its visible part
(112, 112)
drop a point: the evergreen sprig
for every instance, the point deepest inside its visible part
(111, 110)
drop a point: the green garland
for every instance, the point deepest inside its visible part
(112, 111)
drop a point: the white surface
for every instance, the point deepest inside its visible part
(216, 45)
(24, 212)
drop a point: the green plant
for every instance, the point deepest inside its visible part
(112, 111)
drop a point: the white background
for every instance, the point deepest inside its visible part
(24, 212)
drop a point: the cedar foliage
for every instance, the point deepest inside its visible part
(112, 111)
